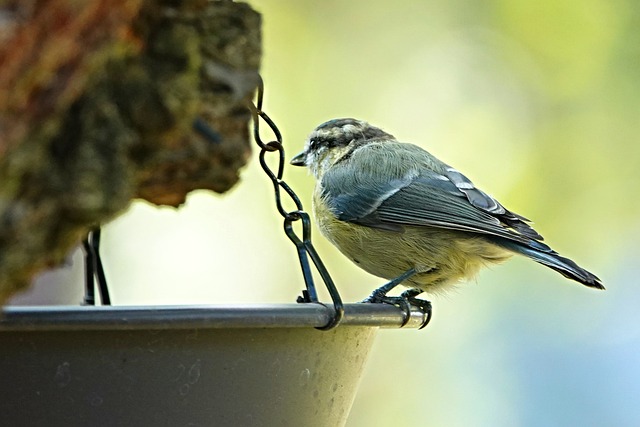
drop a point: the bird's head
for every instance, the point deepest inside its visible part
(332, 140)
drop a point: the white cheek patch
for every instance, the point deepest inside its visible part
(316, 160)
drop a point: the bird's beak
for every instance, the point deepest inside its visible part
(299, 159)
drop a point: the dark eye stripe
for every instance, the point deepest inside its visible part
(342, 132)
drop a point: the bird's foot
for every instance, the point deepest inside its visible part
(405, 301)
(400, 302)
(424, 305)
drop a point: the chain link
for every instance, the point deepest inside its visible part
(303, 244)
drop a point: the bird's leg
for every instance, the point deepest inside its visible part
(380, 294)
(405, 300)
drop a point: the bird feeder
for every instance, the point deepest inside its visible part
(186, 365)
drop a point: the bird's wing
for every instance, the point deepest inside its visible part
(359, 190)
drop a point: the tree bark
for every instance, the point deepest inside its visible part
(105, 101)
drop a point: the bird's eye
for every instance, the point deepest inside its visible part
(313, 144)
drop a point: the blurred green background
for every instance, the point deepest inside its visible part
(538, 102)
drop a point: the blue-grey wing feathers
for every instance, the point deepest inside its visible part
(429, 193)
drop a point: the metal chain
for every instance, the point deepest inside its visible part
(303, 245)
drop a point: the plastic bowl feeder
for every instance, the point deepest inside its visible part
(263, 365)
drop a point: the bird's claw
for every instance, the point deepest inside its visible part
(405, 301)
(424, 306)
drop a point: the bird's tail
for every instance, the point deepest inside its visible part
(543, 254)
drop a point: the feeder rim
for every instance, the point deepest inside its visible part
(215, 316)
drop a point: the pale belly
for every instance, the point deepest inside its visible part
(441, 257)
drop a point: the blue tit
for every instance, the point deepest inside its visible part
(401, 214)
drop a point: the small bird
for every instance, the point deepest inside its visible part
(401, 214)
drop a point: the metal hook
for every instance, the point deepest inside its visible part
(94, 269)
